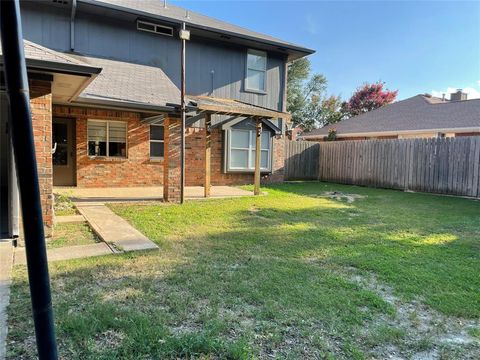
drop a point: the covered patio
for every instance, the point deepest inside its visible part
(119, 194)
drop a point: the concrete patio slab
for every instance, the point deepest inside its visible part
(112, 229)
(69, 219)
(152, 193)
(68, 252)
(6, 262)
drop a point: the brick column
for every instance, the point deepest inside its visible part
(41, 107)
(278, 165)
(171, 172)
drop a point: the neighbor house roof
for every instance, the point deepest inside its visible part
(176, 14)
(415, 114)
(133, 85)
(38, 56)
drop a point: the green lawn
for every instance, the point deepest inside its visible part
(297, 273)
(71, 234)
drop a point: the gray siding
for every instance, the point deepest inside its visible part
(118, 39)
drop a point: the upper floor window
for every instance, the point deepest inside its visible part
(107, 138)
(154, 28)
(256, 71)
(156, 141)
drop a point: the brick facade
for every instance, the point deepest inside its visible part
(135, 170)
(139, 170)
(41, 107)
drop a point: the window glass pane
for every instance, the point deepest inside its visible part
(255, 80)
(156, 149)
(239, 159)
(97, 148)
(256, 61)
(156, 132)
(97, 131)
(240, 139)
(264, 159)
(117, 149)
(97, 138)
(265, 140)
(117, 132)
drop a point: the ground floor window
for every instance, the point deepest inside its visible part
(107, 138)
(156, 141)
(241, 150)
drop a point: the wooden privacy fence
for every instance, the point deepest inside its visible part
(301, 160)
(437, 165)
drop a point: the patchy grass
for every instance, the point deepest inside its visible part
(304, 272)
(71, 234)
(64, 206)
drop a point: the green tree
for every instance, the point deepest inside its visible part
(307, 100)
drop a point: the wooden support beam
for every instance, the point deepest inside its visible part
(258, 134)
(208, 153)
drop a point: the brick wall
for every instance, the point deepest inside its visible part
(41, 107)
(171, 177)
(136, 170)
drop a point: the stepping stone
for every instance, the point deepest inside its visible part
(112, 229)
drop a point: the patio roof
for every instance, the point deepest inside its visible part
(219, 106)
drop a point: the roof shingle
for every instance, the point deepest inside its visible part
(412, 114)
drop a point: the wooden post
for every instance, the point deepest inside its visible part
(258, 154)
(208, 152)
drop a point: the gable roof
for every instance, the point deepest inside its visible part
(177, 15)
(413, 114)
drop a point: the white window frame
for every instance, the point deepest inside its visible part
(108, 138)
(250, 150)
(247, 87)
(155, 26)
(156, 141)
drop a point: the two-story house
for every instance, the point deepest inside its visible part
(104, 82)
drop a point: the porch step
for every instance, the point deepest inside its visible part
(112, 229)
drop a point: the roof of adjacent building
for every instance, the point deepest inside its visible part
(176, 14)
(414, 114)
(128, 83)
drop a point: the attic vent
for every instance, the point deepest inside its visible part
(154, 28)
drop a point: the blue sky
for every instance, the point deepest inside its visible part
(415, 47)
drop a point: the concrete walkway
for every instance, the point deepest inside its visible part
(6, 262)
(68, 219)
(112, 229)
(68, 252)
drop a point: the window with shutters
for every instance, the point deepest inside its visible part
(107, 138)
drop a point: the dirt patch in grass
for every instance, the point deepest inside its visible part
(63, 206)
(417, 331)
(340, 196)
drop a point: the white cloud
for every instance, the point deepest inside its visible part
(471, 92)
(478, 82)
(311, 24)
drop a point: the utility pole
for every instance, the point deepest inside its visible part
(184, 36)
(21, 133)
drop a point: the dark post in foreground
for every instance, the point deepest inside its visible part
(208, 154)
(258, 153)
(23, 145)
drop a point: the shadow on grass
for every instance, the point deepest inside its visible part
(250, 278)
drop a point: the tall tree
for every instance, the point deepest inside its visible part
(298, 73)
(368, 97)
